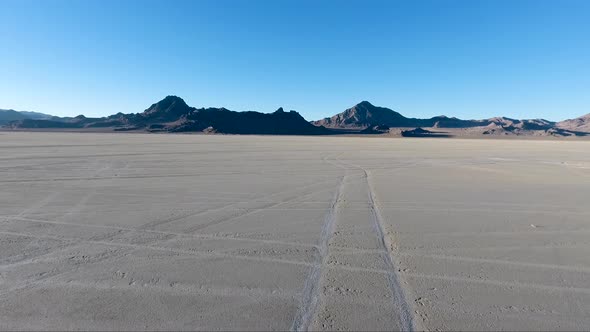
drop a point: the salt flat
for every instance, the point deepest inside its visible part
(189, 232)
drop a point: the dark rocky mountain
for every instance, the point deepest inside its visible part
(172, 114)
(365, 115)
(168, 109)
(226, 121)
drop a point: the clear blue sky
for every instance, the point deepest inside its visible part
(470, 59)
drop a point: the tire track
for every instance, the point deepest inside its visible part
(504, 284)
(558, 267)
(156, 223)
(121, 177)
(259, 294)
(399, 294)
(406, 316)
(37, 206)
(70, 241)
(55, 273)
(75, 241)
(311, 293)
(180, 235)
(83, 202)
(251, 211)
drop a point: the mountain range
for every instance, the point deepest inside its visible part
(373, 119)
(172, 114)
(7, 116)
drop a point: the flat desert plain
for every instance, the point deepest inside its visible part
(197, 232)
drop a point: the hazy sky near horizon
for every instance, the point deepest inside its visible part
(470, 59)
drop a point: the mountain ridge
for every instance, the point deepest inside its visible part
(9, 115)
(172, 114)
(581, 123)
(366, 117)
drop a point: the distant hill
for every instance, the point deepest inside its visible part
(36, 115)
(7, 116)
(578, 124)
(365, 118)
(172, 114)
(364, 115)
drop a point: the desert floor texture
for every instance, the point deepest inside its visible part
(173, 232)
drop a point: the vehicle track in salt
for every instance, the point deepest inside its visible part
(311, 293)
(250, 211)
(157, 223)
(399, 297)
(314, 287)
(180, 235)
(405, 311)
(317, 282)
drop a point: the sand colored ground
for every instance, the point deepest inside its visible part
(168, 232)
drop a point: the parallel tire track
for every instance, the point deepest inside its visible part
(157, 223)
(249, 212)
(406, 317)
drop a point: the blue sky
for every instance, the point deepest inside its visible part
(470, 59)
